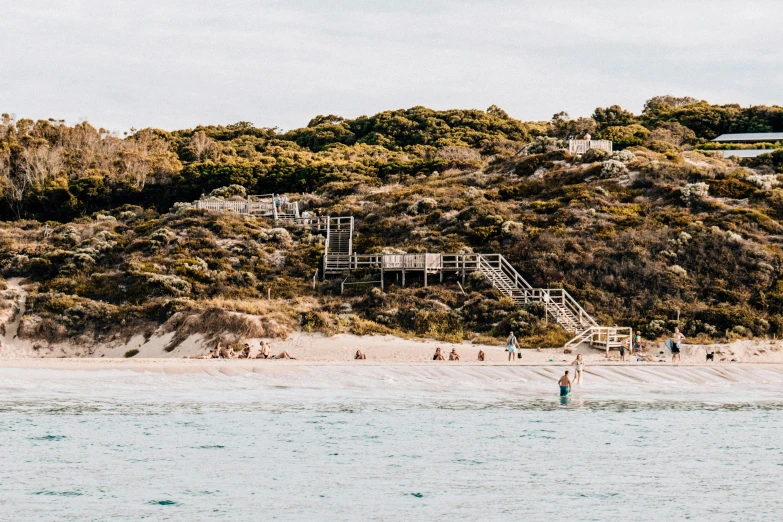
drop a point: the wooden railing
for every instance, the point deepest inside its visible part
(602, 336)
(501, 264)
(254, 204)
(582, 146)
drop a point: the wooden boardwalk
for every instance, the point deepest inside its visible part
(340, 259)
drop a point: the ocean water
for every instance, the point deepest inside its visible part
(392, 443)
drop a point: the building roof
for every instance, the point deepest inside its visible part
(751, 137)
(746, 153)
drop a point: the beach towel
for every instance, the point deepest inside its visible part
(669, 344)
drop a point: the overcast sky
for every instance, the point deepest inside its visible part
(176, 64)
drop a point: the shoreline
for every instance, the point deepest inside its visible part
(262, 365)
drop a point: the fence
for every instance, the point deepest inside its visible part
(582, 146)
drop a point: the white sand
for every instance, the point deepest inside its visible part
(341, 349)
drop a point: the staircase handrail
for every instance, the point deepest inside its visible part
(488, 270)
(498, 262)
(512, 272)
(577, 309)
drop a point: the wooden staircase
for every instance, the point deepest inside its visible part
(560, 305)
(339, 258)
(339, 245)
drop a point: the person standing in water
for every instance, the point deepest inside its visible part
(565, 384)
(511, 346)
(580, 365)
(677, 338)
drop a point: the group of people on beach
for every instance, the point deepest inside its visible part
(453, 355)
(222, 351)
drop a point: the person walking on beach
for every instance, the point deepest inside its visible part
(624, 345)
(511, 346)
(580, 365)
(565, 384)
(637, 343)
(677, 338)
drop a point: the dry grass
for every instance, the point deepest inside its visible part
(215, 323)
(489, 340)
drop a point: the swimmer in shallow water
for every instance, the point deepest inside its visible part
(565, 384)
(580, 365)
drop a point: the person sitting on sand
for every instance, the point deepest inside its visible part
(453, 356)
(245, 353)
(481, 355)
(224, 352)
(360, 355)
(215, 353)
(283, 355)
(438, 355)
(565, 384)
(264, 351)
(580, 365)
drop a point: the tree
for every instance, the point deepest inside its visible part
(330, 119)
(614, 116)
(565, 128)
(658, 104)
(672, 133)
(626, 136)
(494, 110)
(40, 164)
(201, 145)
(14, 184)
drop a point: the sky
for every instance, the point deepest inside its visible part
(176, 64)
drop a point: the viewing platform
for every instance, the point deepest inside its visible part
(264, 205)
(582, 146)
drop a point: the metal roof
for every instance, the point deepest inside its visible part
(751, 136)
(746, 153)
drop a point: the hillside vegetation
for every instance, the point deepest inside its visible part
(660, 234)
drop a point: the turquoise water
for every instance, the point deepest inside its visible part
(393, 443)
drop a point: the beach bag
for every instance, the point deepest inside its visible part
(519, 355)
